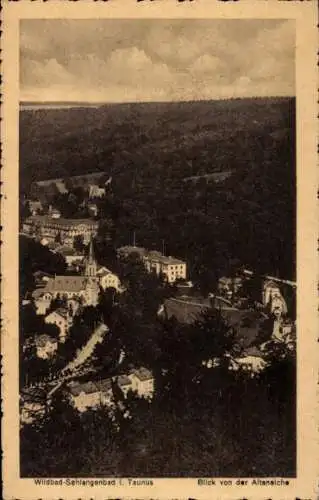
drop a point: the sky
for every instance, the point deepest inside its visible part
(155, 60)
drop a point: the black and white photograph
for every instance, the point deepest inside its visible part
(157, 248)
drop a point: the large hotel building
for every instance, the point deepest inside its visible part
(170, 267)
(43, 226)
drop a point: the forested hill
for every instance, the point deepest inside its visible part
(150, 148)
(185, 138)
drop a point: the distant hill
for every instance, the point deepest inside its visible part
(194, 138)
(150, 148)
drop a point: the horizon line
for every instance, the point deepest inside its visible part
(29, 102)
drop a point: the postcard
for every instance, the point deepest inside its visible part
(159, 250)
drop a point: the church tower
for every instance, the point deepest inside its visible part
(90, 265)
(92, 285)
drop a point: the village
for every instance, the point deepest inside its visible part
(58, 301)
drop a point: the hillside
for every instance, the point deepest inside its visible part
(195, 137)
(149, 148)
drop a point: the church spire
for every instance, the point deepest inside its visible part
(91, 252)
(91, 267)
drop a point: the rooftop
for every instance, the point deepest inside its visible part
(102, 271)
(42, 340)
(65, 284)
(153, 255)
(123, 380)
(61, 311)
(46, 219)
(143, 374)
(90, 387)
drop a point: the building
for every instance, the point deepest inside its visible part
(273, 299)
(62, 318)
(91, 394)
(54, 213)
(49, 228)
(83, 288)
(250, 360)
(46, 346)
(92, 209)
(107, 279)
(96, 192)
(124, 383)
(170, 267)
(142, 382)
(35, 206)
(230, 286)
(42, 299)
(100, 393)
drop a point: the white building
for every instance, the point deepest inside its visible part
(273, 299)
(154, 261)
(96, 192)
(46, 346)
(62, 319)
(100, 393)
(142, 382)
(107, 279)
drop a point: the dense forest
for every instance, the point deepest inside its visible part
(149, 149)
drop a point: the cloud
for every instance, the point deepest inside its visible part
(155, 59)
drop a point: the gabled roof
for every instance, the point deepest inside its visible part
(36, 294)
(104, 271)
(90, 387)
(61, 311)
(86, 387)
(123, 380)
(66, 284)
(270, 282)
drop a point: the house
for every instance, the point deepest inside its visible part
(44, 226)
(283, 330)
(142, 382)
(100, 392)
(92, 209)
(278, 306)
(46, 346)
(54, 213)
(62, 319)
(124, 383)
(270, 289)
(170, 267)
(90, 394)
(107, 279)
(95, 191)
(41, 278)
(42, 300)
(35, 206)
(251, 360)
(229, 286)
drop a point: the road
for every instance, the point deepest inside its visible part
(87, 350)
